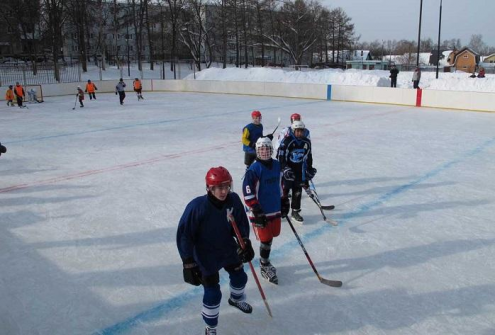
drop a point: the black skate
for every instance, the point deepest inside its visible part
(210, 330)
(242, 305)
(296, 216)
(269, 272)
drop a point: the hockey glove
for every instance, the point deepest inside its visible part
(252, 145)
(2, 149)
(285, 206)
(288, 174)
(191, 272)
(311, 173)
(247, 254)
(270, 136)
(259, 220)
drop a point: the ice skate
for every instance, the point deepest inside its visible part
(296, 216)
(269, 272)
(242, 305)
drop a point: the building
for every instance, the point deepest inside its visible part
(464, 60)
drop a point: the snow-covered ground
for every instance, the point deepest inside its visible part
(90, 200)
(458, 81)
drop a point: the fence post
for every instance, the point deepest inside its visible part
(79, 71)
(24, 76)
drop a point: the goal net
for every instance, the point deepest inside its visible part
(34, 93)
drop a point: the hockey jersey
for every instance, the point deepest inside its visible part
(205, 234)
(296, 154)
(250, 134)
(262, 185)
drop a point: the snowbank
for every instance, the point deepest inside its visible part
(459, 81)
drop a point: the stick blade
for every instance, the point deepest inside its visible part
(332, 222)
(328, 207)
(332, 283)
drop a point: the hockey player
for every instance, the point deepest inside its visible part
(80, 95)
(287, 131)
(250, 134)
(19, 94)
(120, 90)
(262, 190)
(138, 88)
(90, 89)
(296, 162)
(32, 96)
(205, 240)
(9, 96)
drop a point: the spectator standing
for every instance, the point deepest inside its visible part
(416, 78)
(393, 76)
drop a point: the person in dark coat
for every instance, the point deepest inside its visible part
(393, 76)
(207, 242)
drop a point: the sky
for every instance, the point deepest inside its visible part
(398, 19)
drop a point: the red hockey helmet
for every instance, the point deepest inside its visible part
(295, 117)
(255, 114)
(217, 176)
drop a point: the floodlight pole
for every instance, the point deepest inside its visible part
(439, 31)
(419, 31)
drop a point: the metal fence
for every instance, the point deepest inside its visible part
(45, 74)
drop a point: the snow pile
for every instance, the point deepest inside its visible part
(459, 81)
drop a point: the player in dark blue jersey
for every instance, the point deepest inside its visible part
(206, 243)
(250, 134)
(296, 162)
(262, 192)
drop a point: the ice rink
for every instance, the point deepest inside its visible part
(90, 200)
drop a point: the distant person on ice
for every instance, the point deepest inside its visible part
(416, 78)
(80, 95)
(138, 88)
(90, 89)
(120, 90)
(207, 243)
(393, 76)
(19, 94)
(9, 96)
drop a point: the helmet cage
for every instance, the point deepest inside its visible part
(264, 148)
(298, 125)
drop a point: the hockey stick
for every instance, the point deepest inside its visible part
(278, 124)
(333, 283)
(75, 102)
(312, 191)
(314, 196)
(231, 219)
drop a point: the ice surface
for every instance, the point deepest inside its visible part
(90, 201)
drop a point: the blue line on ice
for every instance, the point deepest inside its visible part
(153, 123)
(176, 302)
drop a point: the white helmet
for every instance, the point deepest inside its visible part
(297, 125)
(264, 148)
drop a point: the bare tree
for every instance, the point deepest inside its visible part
(296, 33)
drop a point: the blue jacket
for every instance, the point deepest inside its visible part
(296, 154)
(262, 185)
(205, 234)
(250, 135)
